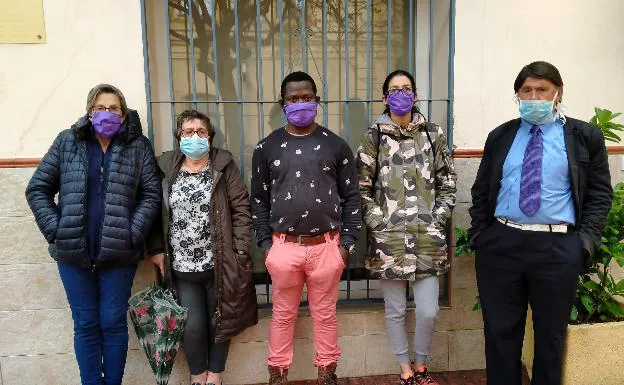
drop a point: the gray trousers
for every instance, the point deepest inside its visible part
(426, 292)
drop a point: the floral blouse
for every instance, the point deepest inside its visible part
(189, 234)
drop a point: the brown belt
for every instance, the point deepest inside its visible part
(306, 240)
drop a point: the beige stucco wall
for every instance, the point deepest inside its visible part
(43, 87)
(494, 39)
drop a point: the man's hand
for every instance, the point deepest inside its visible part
(159, 260)
(344, 254)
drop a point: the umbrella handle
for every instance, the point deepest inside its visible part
(165, 283)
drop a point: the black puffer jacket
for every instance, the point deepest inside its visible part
(133, 194)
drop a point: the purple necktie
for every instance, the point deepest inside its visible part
(531, 182)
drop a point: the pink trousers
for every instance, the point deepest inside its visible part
(319, 267)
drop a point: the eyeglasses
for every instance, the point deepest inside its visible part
(113, 109)
(407, 89)
(201, 132)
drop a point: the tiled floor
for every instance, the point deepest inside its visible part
(466, 377)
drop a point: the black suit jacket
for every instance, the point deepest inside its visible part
(589, 177)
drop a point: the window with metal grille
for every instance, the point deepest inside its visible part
(227, 58)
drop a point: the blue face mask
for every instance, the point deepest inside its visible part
(195, 147)
(538, 111)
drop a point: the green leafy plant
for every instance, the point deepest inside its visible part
(597, 296)
(462, 247)
(603, 120)
(598, 292)
(462, 243)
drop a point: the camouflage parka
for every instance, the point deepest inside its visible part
(407, 209)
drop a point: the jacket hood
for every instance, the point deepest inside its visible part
(130, 128)
(388, 126)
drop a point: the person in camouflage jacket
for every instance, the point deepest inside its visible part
(414, 193)
(407, 183)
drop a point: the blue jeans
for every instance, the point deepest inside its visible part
(99, 302)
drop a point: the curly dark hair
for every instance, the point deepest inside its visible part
(297, 76)
(192, 115)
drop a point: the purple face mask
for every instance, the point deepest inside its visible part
(301, 114)
(106, 123)
(401, 102)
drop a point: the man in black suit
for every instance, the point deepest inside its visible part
(540, 202)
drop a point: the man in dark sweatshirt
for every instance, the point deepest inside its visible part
(306, 214)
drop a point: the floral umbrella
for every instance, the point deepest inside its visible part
(159, 323)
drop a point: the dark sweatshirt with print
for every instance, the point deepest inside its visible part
(304, 185)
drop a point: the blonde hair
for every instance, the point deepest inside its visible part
(106, 89)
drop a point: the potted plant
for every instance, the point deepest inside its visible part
(595, 340)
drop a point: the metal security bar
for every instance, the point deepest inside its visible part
(227, 58)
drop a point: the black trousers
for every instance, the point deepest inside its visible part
(196, 292)
(516, 268)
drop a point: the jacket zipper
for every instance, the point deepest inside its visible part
(168, 182)
(85, 218)
(219, 261)
(110, 148)
(166, 190)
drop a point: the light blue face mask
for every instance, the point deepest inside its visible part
(538, 111)
(195, 147)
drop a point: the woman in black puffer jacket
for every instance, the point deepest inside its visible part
(109, 191)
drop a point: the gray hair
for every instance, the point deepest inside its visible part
(106, 89)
